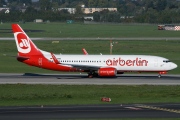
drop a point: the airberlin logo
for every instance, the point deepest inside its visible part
(22, 42)
(130, 62)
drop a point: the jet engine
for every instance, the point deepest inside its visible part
(107, 72)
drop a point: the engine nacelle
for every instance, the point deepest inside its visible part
(107, 72)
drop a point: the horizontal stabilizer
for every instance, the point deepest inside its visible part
(21, 58)
(9, 55)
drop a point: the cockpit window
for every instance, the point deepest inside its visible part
(166, 61)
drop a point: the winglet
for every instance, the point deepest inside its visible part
(55, 59)
(84, 51)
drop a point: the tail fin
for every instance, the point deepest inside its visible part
(24, 44)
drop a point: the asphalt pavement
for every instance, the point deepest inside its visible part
(91, 112)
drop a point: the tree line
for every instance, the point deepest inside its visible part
(139, 11)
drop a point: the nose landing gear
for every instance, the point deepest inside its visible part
(159, 76)
(160, 73)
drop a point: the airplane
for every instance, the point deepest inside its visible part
(93, 65)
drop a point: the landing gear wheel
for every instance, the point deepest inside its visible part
(159, 76)
(92, 74)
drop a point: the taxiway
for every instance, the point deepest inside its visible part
(107, 110)
(91, 111)
(82, 79)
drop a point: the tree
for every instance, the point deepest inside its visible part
(92, 3)
(102, 3)
(45, 4)
(96, 16)
(149, 4)
(130, 9)
(149, 11)
(151, 16)
(78, 10)
(21, 1)
(30, 10)
(113, 3)
(160, 5)
(2, 2)
(55, 6)
(29, 15)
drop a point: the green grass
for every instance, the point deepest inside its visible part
(167, 49)
(13, 95)
(136, 119)
(93, 30)
(17, 95)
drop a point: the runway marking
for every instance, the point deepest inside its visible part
(159, 108)
(133, 108)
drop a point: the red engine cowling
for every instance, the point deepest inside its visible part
(107, 72)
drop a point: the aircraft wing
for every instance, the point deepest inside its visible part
(77, 66)
(83, 67)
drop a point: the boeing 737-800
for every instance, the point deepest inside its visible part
(93, 65)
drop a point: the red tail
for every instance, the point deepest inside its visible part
(24, 44)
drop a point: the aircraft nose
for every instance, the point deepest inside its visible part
(173, 65)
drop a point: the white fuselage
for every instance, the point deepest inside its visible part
(120, 62)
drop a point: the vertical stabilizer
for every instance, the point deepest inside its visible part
(24, 44)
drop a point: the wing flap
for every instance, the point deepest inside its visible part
(84, 67)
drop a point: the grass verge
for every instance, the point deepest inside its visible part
(89, 30)
(20, 94)
(168, 49)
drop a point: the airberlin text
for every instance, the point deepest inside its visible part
(128, 62)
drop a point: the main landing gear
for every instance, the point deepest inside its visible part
(92, 74)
